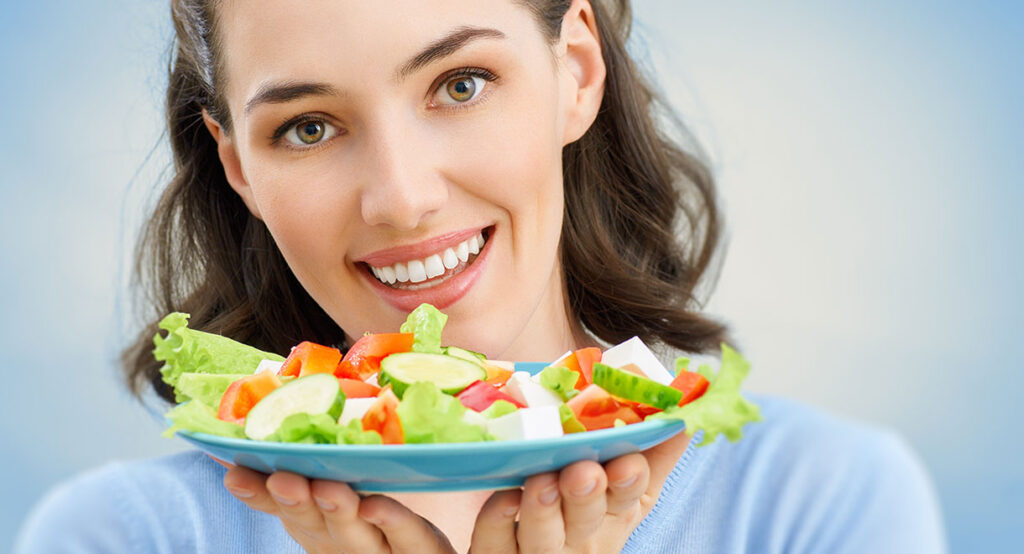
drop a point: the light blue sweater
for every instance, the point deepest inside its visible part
(799, 481)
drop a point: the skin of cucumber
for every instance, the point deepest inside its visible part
(631, 386)
(334, 410)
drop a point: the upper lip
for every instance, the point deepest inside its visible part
(419, 250)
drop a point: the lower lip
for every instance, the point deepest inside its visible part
(440, 296)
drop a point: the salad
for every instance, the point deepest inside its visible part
(406, 388)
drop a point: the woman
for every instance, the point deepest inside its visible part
(337, 161)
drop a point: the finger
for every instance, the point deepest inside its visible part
(495, 529)
(404, 530)
(339, 505)
(583, 487)
(250, 487)
(629, 479)
(295, 503)
(541, 527)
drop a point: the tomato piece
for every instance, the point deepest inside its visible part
(497, 376)
(692, 384)
(480, 395)
(596, 409)
(355, 388)
(243, 394)
(308, 358)
(363, 358)
(382, 417)
(587, 357)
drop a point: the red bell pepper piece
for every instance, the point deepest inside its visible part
(363, 358)
(479, 396)
(587, 357)
(596, 409)
(354, 388)
(692, 384)
(308, 358)
(497, 376)
(382, 417)
(243, 394)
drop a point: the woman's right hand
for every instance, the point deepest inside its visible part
(329, 517)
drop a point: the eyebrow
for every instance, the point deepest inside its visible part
(285, 91)
(446, 46)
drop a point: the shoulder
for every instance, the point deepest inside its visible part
(802, 480)
(170, 504)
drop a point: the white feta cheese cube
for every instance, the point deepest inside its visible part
(474, 417)
(268, 366)
(524, 389)
(355, 408)
(527, 423)
(635, 352)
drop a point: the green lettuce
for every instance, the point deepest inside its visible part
(721, 410)
(186, 350)
(308, 429)
(200, 418)
(426, 323)
(499, 408)
(560, 380)
(428, 416)
(205, 387)
(353, 434)
(570, 424)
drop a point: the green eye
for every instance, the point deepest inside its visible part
(310, 132)
(462, 89)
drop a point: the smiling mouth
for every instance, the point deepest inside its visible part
(423, 273)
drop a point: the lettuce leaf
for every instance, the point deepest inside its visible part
(570, 424)
(308, 429)
(426, 323)
(187, 350)
(499, 408)
(353, 434)
(560, 380)
(204, 387)
(200, 418)
(428, 416)
(721, 410)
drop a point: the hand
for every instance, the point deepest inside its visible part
(328, 517)
(583, 508)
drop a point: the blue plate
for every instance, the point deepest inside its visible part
(437, 467)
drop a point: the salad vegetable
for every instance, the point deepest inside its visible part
(406, 388)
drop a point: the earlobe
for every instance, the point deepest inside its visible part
(232, 165)
(581, 55)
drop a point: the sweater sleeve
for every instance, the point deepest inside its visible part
(57, 524)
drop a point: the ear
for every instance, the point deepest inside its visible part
(232, 165)
(579, 51)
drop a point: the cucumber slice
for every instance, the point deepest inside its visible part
(449, 373)
(631, 386)
(313, 394)
(464, 354)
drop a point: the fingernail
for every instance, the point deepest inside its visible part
(626, 482)
(549, 496)
(325, 505)
(585, 490)
(242, 493)
(284, 501)
(511, 511)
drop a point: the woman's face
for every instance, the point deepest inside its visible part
(384, 145)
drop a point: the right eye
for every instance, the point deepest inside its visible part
(309, 132)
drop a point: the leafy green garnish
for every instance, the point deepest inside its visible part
(560, 380)
(499, 408)
(570, 423)
(200, 418)
(426, 323)
(721, 410)
(428, 416)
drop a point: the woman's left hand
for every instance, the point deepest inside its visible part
(583, 508)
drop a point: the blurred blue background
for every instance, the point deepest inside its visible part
(870, 161)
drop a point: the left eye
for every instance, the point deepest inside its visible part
(310, 132)
(460, 89)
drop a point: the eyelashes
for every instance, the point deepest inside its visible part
(454, 90)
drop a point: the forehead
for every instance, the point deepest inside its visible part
(349, 40)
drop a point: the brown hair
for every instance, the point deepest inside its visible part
(641, 223)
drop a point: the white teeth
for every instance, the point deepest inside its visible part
(450, 259)
(417, 273)
(434, 266)
(401, 273)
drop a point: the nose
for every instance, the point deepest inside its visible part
(401, 186)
